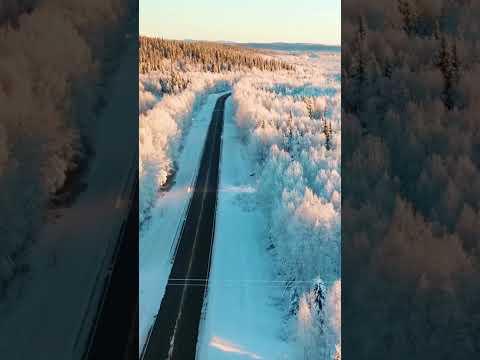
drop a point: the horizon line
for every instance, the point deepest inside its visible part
(243, 42)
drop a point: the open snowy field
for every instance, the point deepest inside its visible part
(274, 287)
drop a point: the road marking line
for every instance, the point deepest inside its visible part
(197, 230)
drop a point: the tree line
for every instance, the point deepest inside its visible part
(209, 56)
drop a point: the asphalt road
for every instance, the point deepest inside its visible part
(115, 334)
(174, 334)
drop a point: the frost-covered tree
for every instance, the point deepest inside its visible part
(286, 128)
(409, 146)
(46, 115)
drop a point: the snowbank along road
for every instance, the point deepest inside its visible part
(174, 334)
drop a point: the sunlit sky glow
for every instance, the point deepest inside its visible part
(308, 21)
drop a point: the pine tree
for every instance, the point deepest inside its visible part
(289, 133)
(388, 69)
(456, 67)
(362, 29)
(309, 103)
(360, 71)
(410, 16)
(436, 32)
(327, 131)
(445, 64)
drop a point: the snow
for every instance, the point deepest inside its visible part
(159, 235)
(49, 310)
(240, 317)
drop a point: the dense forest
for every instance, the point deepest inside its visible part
(53, 53)
(211, 57)
(411, 179)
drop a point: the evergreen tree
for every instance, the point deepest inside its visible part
(388, 69)
(456, 67)
(445, 63)
(309, 103)
(327, 131)
(360, 56)
(410, 16)
(208, 56)
(289, 133)
(436, 32)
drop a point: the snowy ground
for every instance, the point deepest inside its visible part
(56, 300)
(240, 319)
(159, 235)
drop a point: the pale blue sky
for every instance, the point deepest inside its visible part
(312, 21)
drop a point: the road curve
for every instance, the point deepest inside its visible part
(175, 331)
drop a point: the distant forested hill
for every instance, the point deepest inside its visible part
(297, 47)
(211, 57)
